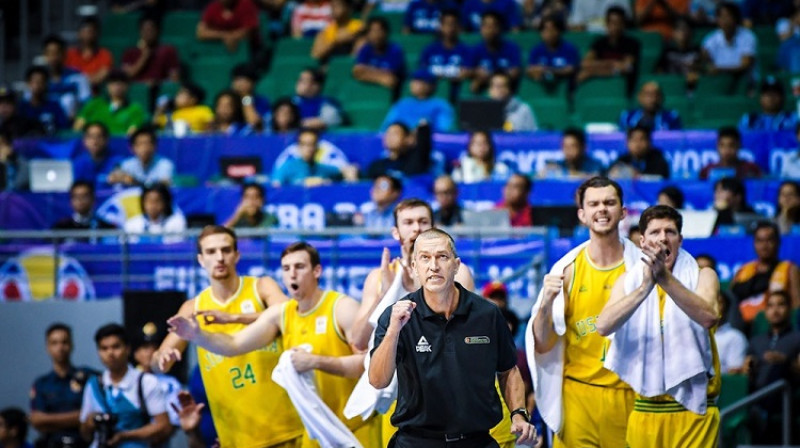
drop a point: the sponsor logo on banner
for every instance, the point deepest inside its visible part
(31, 276)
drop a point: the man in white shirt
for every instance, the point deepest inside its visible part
(146, 167)
(133, 400)
(590, 15)
(732, 47)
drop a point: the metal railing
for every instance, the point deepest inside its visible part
(778, 386)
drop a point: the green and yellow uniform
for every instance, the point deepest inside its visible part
(249, 409)
(596, 402)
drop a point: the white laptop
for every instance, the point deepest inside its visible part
(698, 223)
(50, 175)
(490, 219)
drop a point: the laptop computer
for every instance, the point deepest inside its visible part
(698, 223)
(490, 219)
(50, 175)
(481, 114)
(563, 217)
(238, 168)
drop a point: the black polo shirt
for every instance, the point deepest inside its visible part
(446, 370)
(52, 393)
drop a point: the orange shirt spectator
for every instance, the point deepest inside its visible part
(87, 57)
(659, 15)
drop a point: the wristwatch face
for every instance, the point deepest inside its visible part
(248, 100)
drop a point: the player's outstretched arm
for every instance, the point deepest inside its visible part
(172, 347)
(700, 305)
(260, 333)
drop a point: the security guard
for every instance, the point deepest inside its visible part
(56, 396)
(447, 345)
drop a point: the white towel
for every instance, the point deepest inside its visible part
(677, 364)
(365, 399)
(320, 422)
(547, 369)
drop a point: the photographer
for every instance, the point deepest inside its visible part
(122, 407)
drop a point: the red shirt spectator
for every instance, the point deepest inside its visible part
(149, 61)
(729, 141)
(515, 200)
(231, 15)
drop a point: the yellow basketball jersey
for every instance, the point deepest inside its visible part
(585, 349)
(317, 327)
(715, 382)
(249, 409)
(502, 432)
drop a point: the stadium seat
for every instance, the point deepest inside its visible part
(216, 50)
(682, 104)
(442, 90)
(601, 88)
(366, 115)
(356, 91)
(139, 92)
(581, 39)
(395, 20)
(722, 84)
(526, 40)
(600, 110)
(651, 44)
(292, 48)
(671, 85)
(180, 24)
(168, 88)
(530, 90)
(723, 108)
(551, 113)
(213, 75)
(117, 46)
(119, 25)
(734, 429)
(282, 77)
(340, 71)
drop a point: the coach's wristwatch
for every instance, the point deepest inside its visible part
(521, 411)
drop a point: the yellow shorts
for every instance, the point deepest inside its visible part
(368, 434)
(387, 430)
(294, 443)
(502, 432)
(594, 416)
(669, 425)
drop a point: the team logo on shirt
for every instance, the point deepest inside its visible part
(248, 307)
(476, 340)
(423, 346)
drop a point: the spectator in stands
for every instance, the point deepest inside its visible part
(121, 386)
(57, 395)
(421, 105)
(760, 12)
(185, 112)
(614, 54)
(771, 357)
(449, 212)
(789, 54)
(150, 61)
(250, 211)
(729, 141)
(310, 17)
(88, 57)
(231, 22)
(153, 8)
(480, 161)
(497, 293)
(96, 163)
(408, 154)
(515, 200)
(518, 114)
(787, 212)
(642, 159)
(680, 55)
(384, 194)
(145, 168)
(659, 15)
(635, 235)
(507, 11)
(13, 166)
(731, 343)
(767, 273)
(316, 111)
(672, 196)
(255, 107)
(68, 87)
(117, 112)
(732, 47)
(424, 16)
(81, 200)
(38, 106)
(158, 216)
(448, 58)
(771, 117)
(590, 15)
(577, 163)
(790, 169)
(229, 115)
(729, 198)
(494, 54)
(341, 36)
(304, 169)
(11, 122)
(553, 59)
(651, 113)
(285, 117)
(380, 61)
(789, 26)
(14, 428)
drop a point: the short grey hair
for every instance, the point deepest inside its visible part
(434, 233)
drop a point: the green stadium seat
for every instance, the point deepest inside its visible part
(651, 42)
(671, 85)
(601, 88)
(117, 46)
(734, 428)
(711, 124)
(213, 75)
(119, 26)
(282, 77)
(139, 92)
(767, 58)
(340, 71)
(767, 37)
(366, 115)
(470, 38)
(551, 113)
(292, 48)
(581, 39)
(442, 90)
(355, 92)
(682, 104)
(217, 50)
(722, 84)
(727, 109)
(183, 44)
(168, 88)
(395, 20)
(530, 90)
(526, 40)
(600, 110)
(180, 24)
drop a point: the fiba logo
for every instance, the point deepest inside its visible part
(31, 275)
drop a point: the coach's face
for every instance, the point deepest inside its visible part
(601, 210)
(218, 256)
(435, 264)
